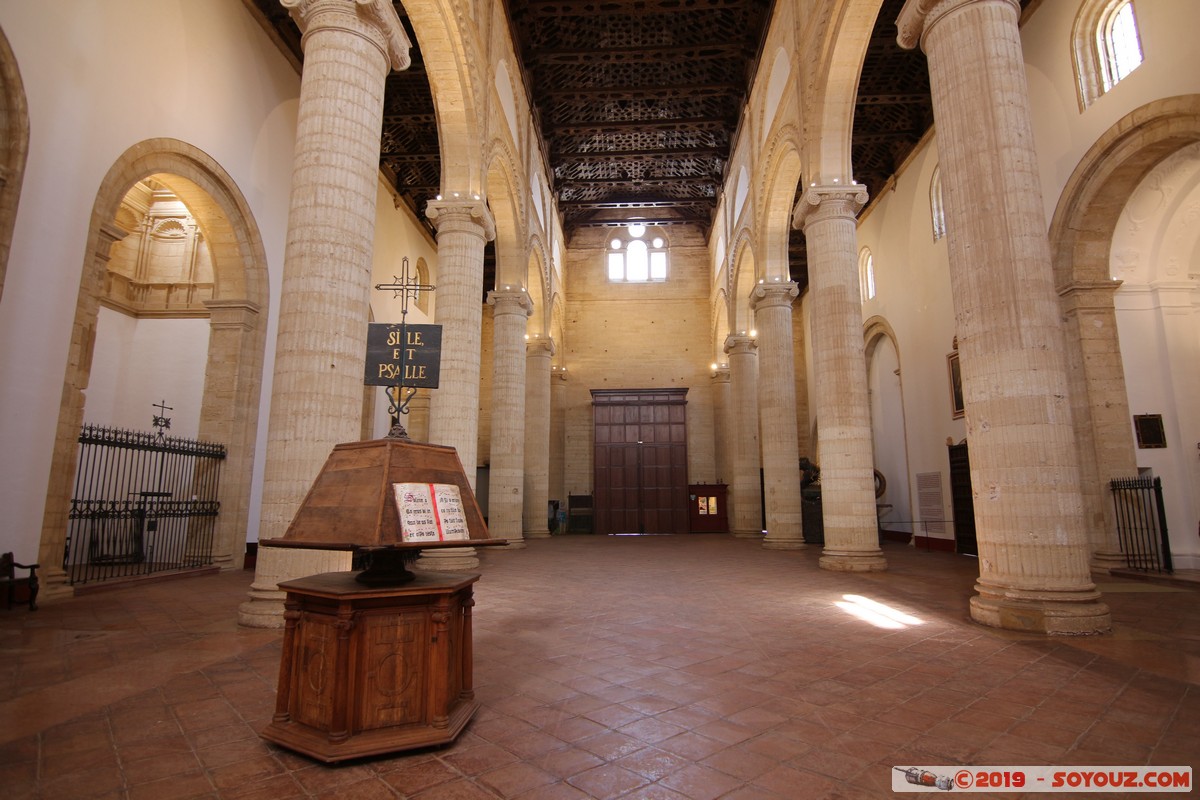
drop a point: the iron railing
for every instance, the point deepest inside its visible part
(1142, 523)
(143, 503)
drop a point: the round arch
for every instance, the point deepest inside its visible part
(237, 316)
(14, 148)
(782, 172)
(889, 431)
(1081, 233)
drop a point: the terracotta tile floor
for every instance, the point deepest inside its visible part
(635, 667)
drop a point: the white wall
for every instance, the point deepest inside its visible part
(1161, 348)
(100, 78)
(138, 363)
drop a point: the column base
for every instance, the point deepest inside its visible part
(1105, 561)
(274, 565)
(853, 560)
(514, 544)
(450, 559)
(53, 584)
(783, 544)
(1063, 613)
(746, 534)
(542, 533)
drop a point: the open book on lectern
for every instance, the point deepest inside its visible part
(430, 512)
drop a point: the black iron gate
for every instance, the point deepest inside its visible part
(1142, 523)
(143, 503)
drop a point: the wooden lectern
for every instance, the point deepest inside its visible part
(380, 660)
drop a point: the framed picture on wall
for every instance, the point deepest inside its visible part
(956, 392)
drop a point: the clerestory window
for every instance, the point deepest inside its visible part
(936, 210)
(866, 273)
(637, 254)
(1107, 46)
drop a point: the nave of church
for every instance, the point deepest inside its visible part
(616, 667)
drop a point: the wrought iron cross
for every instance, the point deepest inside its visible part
(405, 286)
(161, 420)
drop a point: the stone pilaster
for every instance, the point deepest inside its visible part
(557, 483)
(1034, 571)
(232, 326)
(772, 304)
(1100, 409)
(539, 353)
(349, 48)
(463, 227)
(506, 481)
(745, 492)
(827, 216)
(722, 422)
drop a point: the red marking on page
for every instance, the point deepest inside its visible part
(436, 516)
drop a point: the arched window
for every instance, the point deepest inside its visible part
(866, 273)
(423, 278)
(936, 210)
(637, 254)
(1106, 45)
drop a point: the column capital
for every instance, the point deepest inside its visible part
(510, 301)
(918, 16)
(820, 203)
(462, 212)
(375, 20)
(740, 344)
(721, 374)
(774, 295)
(1079, 295)
(558, 372)
(232, 314)
(539, 346)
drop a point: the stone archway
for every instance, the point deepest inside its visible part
(233, 373)
(1080, 236)
(14, 146)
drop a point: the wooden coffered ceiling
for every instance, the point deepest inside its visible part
(639, 103)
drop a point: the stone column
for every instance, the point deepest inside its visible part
(826, 213)
(772, 304)
(417, 421)
(745, 492)
(538, 354)
(1033, 550)
(510, 310)
(722, 423)
(316, 398)
(463, 227)
(1100, 406)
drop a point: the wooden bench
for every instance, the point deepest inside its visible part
(9, 579)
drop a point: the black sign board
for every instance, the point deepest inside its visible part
(403, 355)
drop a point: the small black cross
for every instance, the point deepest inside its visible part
(161, 420)
(404, 286)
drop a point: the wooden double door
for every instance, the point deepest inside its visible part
(640, 475)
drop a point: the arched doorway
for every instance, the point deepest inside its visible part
(232, 362)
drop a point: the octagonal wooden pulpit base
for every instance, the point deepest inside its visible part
(371, 670)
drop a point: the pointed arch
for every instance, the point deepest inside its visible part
(835, 64)
(458, 89)
(743, 278)
(503, 199)
(782, 177)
